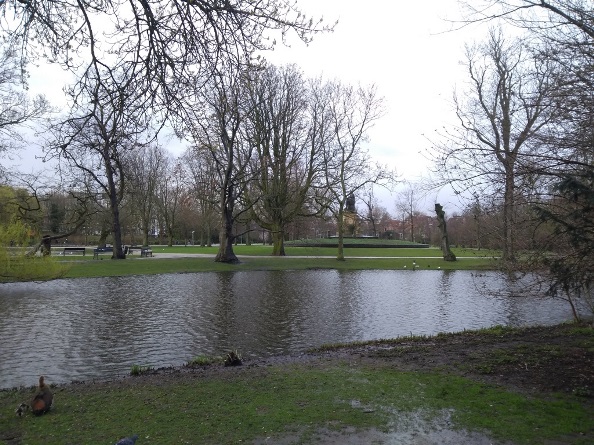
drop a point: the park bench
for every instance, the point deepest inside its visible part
(100, 250)
(145, 251)
(73, 250)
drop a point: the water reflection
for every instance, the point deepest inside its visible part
(86, 328)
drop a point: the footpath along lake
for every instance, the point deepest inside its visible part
(81, 329)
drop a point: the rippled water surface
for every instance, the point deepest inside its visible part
(87, 328)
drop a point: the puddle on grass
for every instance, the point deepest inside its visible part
(406, 429)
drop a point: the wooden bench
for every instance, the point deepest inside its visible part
(73, 250)
(100, 250)
(131, 249)
(145, 251)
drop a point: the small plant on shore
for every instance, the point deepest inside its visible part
(140, 369)
(233, 359)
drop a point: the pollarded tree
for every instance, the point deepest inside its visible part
(282, 127)
(348, 167)
(500, 114)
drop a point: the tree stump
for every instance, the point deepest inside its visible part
(448, 255)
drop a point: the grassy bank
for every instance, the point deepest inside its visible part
(262, 250)
(377, 392)
(258, 258)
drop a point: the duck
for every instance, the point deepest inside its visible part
(42, 401)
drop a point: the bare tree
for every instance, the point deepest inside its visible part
(107, 122)
(348, 167)
(170, 43)
(407, 204)
(374, 212)
(169, 193)
(283, 129)
(216, 124)
(504, 108)
(202, 183)
(561, 32)
(17, 110)
(144, 173)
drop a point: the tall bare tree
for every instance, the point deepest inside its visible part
(169, 194)
(348, 167)
(16, 108)
(216, 124)
(170, 43)
(505, 106)
(201, 182)
(108, 121)
(283, 129)
(407, 205)
(373, 210)
(144, 173)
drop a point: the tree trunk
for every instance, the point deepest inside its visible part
(340, 255)
(46, 245)
(105, 232)
(278, 242)
(225, 253)
(508, 215)
(145, 237)
(118, 252)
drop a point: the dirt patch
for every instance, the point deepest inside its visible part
(539, 359)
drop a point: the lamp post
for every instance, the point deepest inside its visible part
(192, 237)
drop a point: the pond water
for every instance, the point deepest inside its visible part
(98, 328)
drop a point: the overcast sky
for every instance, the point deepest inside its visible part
(409, 51)
(405, 48)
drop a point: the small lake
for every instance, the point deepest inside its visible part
(98, 328)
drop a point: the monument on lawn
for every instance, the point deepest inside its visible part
(350, 217)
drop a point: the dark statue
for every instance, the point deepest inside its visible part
(350, 204)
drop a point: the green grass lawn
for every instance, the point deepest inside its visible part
(296, 400)
(262, 250)
(259, 258)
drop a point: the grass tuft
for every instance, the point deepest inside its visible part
(137, 370)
